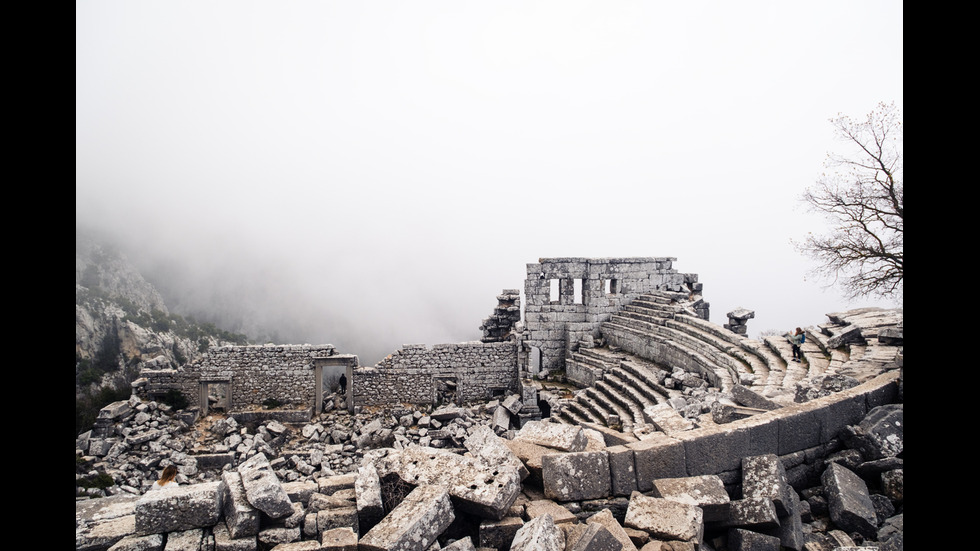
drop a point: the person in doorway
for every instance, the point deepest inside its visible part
(167, 478)
(343, 383)
(796, 339)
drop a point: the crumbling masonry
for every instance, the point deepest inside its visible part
(567, 300)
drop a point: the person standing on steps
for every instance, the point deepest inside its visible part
(343, 383)
(796, 338)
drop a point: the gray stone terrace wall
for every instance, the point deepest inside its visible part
(457, 373)
(606, 285)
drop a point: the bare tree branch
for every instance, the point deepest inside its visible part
(863, 197)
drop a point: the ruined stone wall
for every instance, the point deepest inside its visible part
(259, 373)
(455, 373)
(252, 374)
(589, 291)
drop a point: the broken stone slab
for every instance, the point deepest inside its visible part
(99, 523)
(478, 489)
(513, 404)
(849, 502)
(180, 508)
(610, 436)
(750, 398)
(187, 539)
(667, 419)
(595, 537)
(706, 491)
(263, 488)
(752, 512)
(499, 534)
(539, 534)
(501, 419)
(576, 476)
(763, 476)
(489, 448)
(541, 507)
(530, 455)
(330, 484)
(656, 457)
(367, 489)
(740, 539)
(622, 470)
(337, 517)
(880, 433)
(134, 542)
(606, 519)
(241, 518)
(464, 544)
(414, 524)
(664, 518)
(224, 542)
(559, 436)
(339, 539)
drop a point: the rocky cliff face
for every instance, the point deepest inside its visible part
(122, 323)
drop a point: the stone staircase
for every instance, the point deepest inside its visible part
(647, 340)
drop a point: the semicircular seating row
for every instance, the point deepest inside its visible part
(654, 334)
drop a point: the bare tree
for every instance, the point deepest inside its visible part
(863, 198)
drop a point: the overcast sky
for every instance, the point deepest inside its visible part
(371, 174)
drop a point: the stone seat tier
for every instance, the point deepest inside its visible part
(614, 388)
(722, 369)
(608, 407)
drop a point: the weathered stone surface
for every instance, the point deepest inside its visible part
(541, 507)
(595, 538)
(850, 505)
(740, 539)
(667, 419)
(754, 512)
(658, 457)
(530, 455)
(622, 470)
(263, 488)
(750, 398)
(151, 542)
(224, 542)
(180, 508)
(414, 524)
(465, 544)
(606, 519)
(241, 517)
(367, 487)
(558, 436)
(539, 534)
(187, 539)
(498, 534)
(763, 476)
(337, 517)
(478, 489)
(665, 518)
(489, 448)
(339, 539)
(99, 523)
(576, 476)
(705, 491)
(880, 434)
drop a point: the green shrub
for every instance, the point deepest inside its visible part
(271, 403)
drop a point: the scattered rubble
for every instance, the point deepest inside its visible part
(445, 479)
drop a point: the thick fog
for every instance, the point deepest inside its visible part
(371, 174)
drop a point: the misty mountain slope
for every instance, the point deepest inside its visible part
(122, 322)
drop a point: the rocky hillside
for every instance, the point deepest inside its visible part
(122, 325)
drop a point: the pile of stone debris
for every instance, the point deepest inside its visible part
(446, 479)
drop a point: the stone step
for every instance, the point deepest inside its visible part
(641, 391)
(611, 387)
(610, 407)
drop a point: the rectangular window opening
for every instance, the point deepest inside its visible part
(554, 291)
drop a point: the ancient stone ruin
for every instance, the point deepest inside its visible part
(610, 415)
